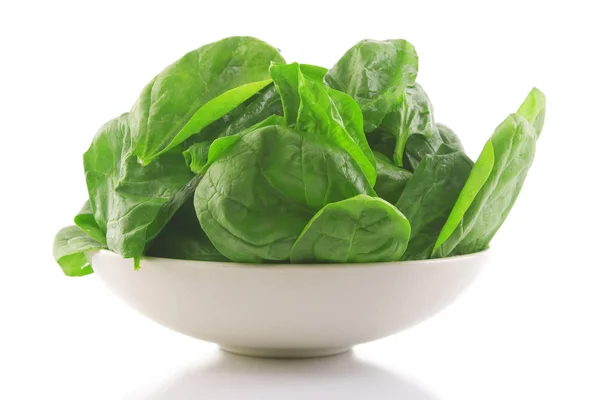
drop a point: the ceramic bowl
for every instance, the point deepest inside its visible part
(288, 311)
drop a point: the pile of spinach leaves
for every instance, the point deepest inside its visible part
(230, 154)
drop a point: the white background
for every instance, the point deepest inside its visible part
(528, 328)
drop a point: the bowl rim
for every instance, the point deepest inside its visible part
(229, 264)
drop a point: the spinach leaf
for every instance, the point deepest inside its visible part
(418, 147)
(263, 105)
(533, 109)
(353, 122)
(330, 115)
(132, 203)
(429, 198)
(196, 156)
(477, 179)
(375, 74)
(382, 142)
(361, 229)
(263, 109)
(196, 90)
(391, 180)
(262, 190)
(86, 222)
(492, 187)
(448, 137)
(183, 238)
(313, 72)
(200, 155)
(415, 115)
(70, 246)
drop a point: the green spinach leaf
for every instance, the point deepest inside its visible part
(391, 180)
(418, 147)
(312, 108)
(70, 247)
(375, 74)
(313, 72)
(131, 202)
(361, 229)
(258, 195)
(86, 222)
(261, 106)
(448, 137)
(184, 239)
(492, 187)
(196, 90)
(200, 155)
(533, 109)
(415, 115)
(430, 196)
(382, 142)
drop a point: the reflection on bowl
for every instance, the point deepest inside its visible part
(289, 311)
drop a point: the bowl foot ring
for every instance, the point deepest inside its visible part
(284, 353)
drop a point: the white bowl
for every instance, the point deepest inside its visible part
(288, 311)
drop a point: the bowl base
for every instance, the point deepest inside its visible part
(284, 353)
